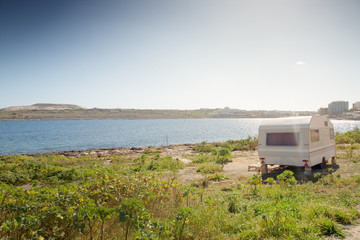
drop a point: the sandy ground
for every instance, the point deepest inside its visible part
(353, 233)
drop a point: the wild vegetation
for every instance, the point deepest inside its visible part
(119, 197)
(349, 137)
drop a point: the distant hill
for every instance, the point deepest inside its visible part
(46, 111)
(61, 112)
(43, 107)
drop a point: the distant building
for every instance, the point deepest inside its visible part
(356, 106)
(338, 107)
(323, 111)
(229, 112)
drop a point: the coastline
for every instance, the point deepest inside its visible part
(97, 114)
(119, 151)
(93, 119)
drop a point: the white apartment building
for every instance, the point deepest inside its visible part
(338, 107)
(356, 106)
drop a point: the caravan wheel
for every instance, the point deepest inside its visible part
(323, 163)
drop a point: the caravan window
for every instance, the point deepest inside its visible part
(315, 136)
(332, 133)
(282, 139)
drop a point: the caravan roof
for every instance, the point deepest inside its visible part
(291, 122)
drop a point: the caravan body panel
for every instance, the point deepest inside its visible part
(297, 141)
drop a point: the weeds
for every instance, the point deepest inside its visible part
(232, 145)
(218, 177)
(349, 137)
(154, 162)
(128, 199)
(211, 167)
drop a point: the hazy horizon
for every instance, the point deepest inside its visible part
(295, 55)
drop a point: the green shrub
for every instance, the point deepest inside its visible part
(166, 163)
(217, 177)
(250, 143)
(255, 180)
(223, 160)
(204, 158)
(349, 137)
(330, 228)
(150, 151)
(203, 147)
(218, 154)
(215, 158)
(270, 181)
(287, 177)
(246, 144)
(209, 168)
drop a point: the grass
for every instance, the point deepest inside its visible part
(232, 145)
(84, 198)
(210, 167)
(211, 155)
(154, 162)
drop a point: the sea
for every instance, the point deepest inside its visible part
(31, 137)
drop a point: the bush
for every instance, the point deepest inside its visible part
(204, 158)
(270, 181)
(203, 147)
(349, 137)
(209, 168)
(250, 143)
(329, 228)
(219, 157)
(166, 163)
(217, 177)
(287, 177)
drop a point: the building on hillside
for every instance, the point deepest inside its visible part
(338, 107)
(227, 112)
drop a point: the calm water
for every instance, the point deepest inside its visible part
(22, 137)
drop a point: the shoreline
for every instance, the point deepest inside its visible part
(92, 119)
(163, 118)
(103, 152)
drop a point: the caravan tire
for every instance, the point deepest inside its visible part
(323, 163)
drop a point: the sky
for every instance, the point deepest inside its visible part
(185, 54)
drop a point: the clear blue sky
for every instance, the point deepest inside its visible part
(188, 54)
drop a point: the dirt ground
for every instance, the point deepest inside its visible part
(236, 169)
(353, 233)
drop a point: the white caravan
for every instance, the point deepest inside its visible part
(296, 141)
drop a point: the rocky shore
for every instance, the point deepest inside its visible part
(174, 150)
